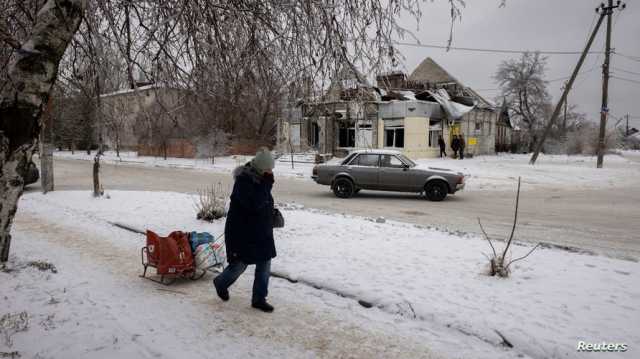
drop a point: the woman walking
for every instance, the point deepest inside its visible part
(249, 229)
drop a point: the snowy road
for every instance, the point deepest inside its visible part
(605, 220)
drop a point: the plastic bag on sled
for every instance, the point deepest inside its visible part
(198, 238)
(210, 254)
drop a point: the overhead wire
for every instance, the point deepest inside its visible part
(626, 71)
(489, 50)
(626, 80)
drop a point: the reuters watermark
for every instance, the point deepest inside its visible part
(602, 347)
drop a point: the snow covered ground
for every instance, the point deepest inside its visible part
(483, 172)
(430, 295)
(220, 165)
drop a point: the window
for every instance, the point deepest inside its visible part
(314, 134)
(394, 137)
(346, 135)
(366, 160)
(433, 137)
(390, 161)
(348, 159)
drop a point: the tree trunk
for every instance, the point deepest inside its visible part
(46, 151)
(11, 187)
(97, 191)
(32, 75)
(118, 145)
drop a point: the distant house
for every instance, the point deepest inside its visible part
(403, 113)
(149, 119)
(506, 137)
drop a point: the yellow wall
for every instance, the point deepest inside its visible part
(416, 140)
(416, 132)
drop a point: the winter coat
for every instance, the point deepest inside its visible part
(441, 143)
(455, 144)
(249, 227)
(462, 144)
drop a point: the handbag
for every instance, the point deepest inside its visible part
(278, 219)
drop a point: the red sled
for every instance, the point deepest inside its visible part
(171, 257)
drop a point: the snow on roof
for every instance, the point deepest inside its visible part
(409, 95)
(126, 91)
(378, 151)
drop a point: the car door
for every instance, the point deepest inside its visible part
(364, 170)
(393, 174)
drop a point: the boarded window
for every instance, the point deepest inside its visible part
(295, 135)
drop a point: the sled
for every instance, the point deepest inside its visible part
(171, 257)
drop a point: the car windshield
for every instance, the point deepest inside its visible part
(407, 160)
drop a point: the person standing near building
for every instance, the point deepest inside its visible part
(442, 145)
(249, 229)
(461, 145)
(455, 145)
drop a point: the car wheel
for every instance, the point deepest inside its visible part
(436, 190)
(343, 188)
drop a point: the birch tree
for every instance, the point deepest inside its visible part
(31, 75)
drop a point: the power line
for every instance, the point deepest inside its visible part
(487, 50)
(630, 57)
(627, 71)
(628, 80)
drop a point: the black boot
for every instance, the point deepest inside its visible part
(222, 293)
(263, 306)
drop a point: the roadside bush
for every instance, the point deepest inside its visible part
(211, 202)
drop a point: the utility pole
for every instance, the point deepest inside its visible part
(604, 111)
(564, 120)
(603, 11)
(567, 88)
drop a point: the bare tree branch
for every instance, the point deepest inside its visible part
(487, 237)
(523, 257)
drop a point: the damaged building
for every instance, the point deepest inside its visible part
(406, 113)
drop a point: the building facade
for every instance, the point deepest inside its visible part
(401, 113)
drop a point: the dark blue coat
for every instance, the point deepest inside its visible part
(249, 227)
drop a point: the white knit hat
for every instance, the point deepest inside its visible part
(263, 161)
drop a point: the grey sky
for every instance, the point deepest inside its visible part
(558, 25)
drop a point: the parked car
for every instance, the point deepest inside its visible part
(32, 175)
(385, 170)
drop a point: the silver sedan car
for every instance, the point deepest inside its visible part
(384, 170)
